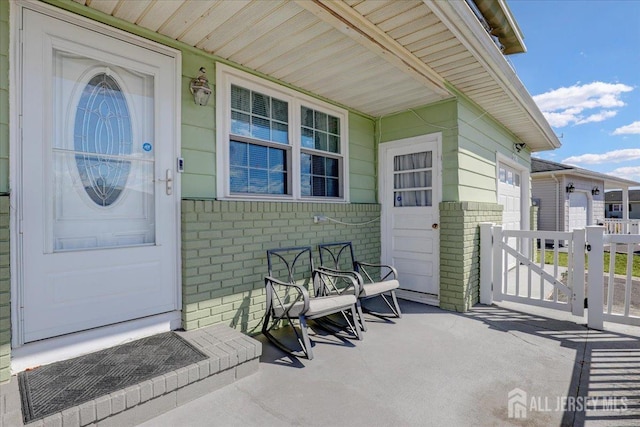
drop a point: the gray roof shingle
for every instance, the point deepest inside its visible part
(540, 165)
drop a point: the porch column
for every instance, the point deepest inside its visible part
(460, 251)
(625, 203)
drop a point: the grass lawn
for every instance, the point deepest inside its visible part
(620, 268)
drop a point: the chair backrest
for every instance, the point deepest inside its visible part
(338, 256)
(291, 265)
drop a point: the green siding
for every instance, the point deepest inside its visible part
(224, 247)
(362, 159)
(480, 138)
(470, 141)
(198, 131)
(439, 117)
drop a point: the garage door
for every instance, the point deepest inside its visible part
(509, 196)
(578, 210)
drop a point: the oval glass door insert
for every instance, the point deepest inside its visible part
(102, 136)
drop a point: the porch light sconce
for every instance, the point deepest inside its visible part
(595, 190)
(519, 146)
(200, 89)
(571, 188)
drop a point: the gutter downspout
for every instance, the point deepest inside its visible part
(557, 200)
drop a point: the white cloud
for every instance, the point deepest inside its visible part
(614, 156)
(629, 172)
(633, 128)
(580, 104)
(598, 117)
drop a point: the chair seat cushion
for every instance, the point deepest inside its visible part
(320, 305)
(377, 288)
(330, 304)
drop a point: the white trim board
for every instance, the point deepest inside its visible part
(418, 297)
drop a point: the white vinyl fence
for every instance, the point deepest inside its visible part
(622, 226)
(537, 278)
(619, 289)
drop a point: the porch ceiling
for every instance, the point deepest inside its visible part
(376, 56)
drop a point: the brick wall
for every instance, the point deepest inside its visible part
(224, 247)
(460, 251)
(5, 287)
(533, 217)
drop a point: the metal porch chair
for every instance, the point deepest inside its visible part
(376, 280)
(288, 296)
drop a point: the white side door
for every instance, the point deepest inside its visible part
(99, 215)
(410, 197)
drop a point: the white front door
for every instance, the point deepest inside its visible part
(578, 210)
(410, 196)
(98, 200)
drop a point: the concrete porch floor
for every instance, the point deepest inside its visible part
(434, 367)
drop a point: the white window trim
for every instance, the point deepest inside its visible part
(225, 77)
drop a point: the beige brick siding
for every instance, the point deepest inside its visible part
(5, 287)
(460, 251)
(224, 247)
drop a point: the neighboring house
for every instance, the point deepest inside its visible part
(128, 208)
(569, 197)
(613, 207)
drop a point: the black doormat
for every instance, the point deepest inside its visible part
(62, 385)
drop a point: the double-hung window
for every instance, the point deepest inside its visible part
(274, 143)
(320, 159)
(258, 143)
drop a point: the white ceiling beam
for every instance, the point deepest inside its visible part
(351, 23)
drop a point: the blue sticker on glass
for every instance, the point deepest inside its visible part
(399, 198)
(146, 146)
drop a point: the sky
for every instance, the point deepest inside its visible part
(582, 67)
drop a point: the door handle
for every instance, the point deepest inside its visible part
(434, 226)
(168, 182)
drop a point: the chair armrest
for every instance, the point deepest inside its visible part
(271, 295)
(353, 279)
(391, 274)
(353, 273)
